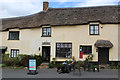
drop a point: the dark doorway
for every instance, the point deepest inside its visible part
(103, 55)
(2, 51)
(46, 53)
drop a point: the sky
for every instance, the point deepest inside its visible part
(17, 8)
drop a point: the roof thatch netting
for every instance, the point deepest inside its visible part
(103, 44)
(64, 16)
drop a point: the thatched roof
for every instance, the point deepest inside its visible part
(64, 16)
(103, 44)
(3, 47)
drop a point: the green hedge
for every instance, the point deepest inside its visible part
(21, 60)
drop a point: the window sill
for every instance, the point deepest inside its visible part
(86, 54)
(63, 58)
(94, 34)
(13, 39)
(45, 36)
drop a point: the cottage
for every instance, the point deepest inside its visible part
(64, 32)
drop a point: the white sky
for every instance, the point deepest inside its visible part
(16, 8)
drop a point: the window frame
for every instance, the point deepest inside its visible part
(64, 48)
(94, 29)
(46, 32)
(14, 53)
(14, 32)
(87, 49)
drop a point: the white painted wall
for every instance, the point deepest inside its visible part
(31, 40)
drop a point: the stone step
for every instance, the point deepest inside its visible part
(104, 66)
(44, 64)
(43, 67)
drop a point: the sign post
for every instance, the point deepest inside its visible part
(32, 66)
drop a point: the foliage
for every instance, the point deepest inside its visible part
(118, 65)
(69, 61)
(54, 59)
(81, 63)
(50, 65)
(112, 64)
(90, 57)
(92, 66)
(3, 65)
(21, 60)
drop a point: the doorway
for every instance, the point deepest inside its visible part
(103, 55)
(46, 53)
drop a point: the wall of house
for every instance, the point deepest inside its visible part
(31, 40)
(119, 42)
(79, 35)
(0, 38)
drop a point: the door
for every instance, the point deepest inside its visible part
(46, 53)
(103, 55)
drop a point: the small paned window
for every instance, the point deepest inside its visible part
(13, 35)
(14, 52)
(94, 29)
(46, 31)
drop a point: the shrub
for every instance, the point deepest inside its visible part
(57, 65)
(112, 64)
(50, 65)
(10, 61)
(118, 66)
(92, 66)
(90, 57)
(69, 61)
(5, 58)
(39, 59)
(14, 61)
(3, 65)
(21, 60)
(81, 63)
(25, 59)
(54, 59)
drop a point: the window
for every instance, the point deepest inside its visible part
(64, 50)
(94, 29)
(46, 31)
(13, 35)
(14, 52)
(86, 49)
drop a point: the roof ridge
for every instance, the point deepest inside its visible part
(83, 7)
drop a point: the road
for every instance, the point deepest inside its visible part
(51, 73)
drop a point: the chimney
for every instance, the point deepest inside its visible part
(45, 5)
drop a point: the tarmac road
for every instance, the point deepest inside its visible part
(52, 73)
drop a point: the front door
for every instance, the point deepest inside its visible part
(103, 55)
(46, 53)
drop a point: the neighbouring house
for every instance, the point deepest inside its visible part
(64, 32)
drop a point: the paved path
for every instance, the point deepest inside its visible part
(51, 73)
